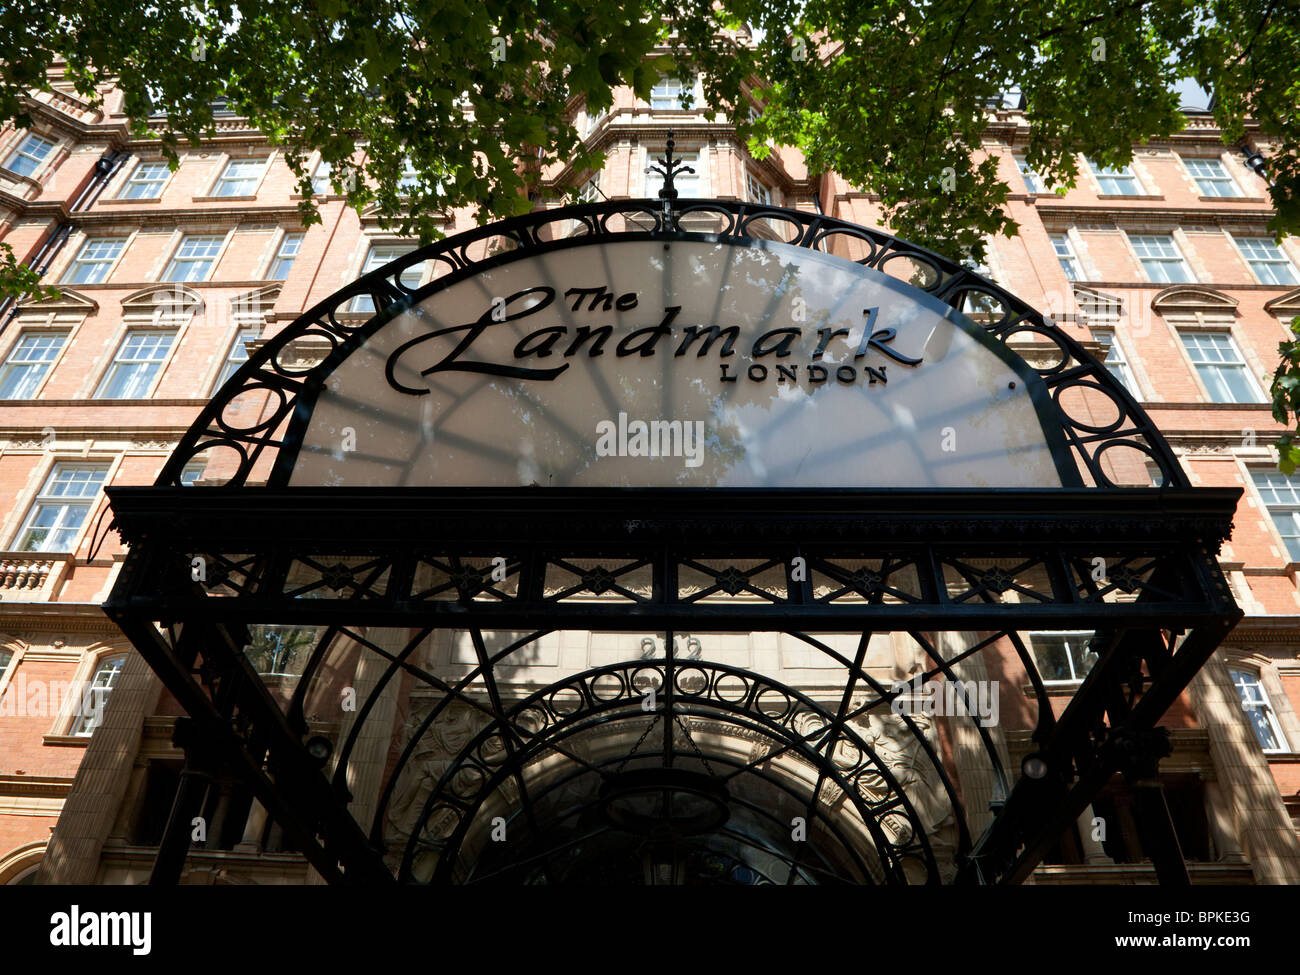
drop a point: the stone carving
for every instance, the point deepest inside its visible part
(902, 753)
(438, 750)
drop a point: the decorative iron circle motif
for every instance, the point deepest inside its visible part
(854, 797)
(299, 359)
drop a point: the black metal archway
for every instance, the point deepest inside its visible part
(708, 782)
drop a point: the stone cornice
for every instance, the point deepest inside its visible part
(1252, 214)
(33, 209)
(1269, 630)
(112, 132)
(56, 617)
(188, 216)
(115, 432)
(1158, 286)
(48, 786)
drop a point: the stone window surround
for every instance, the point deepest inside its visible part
(117, 185)
(1252, 661)
(36, 478)
(173, 244)
(224, 160)
(133, 323)
(51, 324)
(702, 164)
(58, 152)
(60, 732)
(1226, 327)
(72, 247)
(1247, 470)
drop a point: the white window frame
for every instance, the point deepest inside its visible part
(233, 360)
(409, 179)
(1241, 678)
(593, 120)
(10, 365)
(224, 178)
(117, 360)
(1034, 183)
(45, 498)
(1101, 174)
(89, 713)
(177, 258)
(1069, 256)
(1184, 334)
(22, 150)
(322, 179)
(7, 665)
(1077, 678)
(664, 97)
(1146, 242)
(296, 237)
(695, 159)
(191, 472)
(589, 192)
(79, 261)
(132, 181)
(1278, 509)
(1216, 181)
(756, 191)
(1116, 361)
(364, 303)
(1246, 246)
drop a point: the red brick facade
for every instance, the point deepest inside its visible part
(52, 631)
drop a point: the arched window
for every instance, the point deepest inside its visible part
(1261, 714)
(90, 709)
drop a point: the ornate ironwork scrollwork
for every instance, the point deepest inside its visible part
(304, 353)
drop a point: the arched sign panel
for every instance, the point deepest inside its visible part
(697, 363)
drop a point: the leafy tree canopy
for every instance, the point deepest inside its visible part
(477, 95)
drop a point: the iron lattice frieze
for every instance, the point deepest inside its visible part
(291, 368)
(488, 561)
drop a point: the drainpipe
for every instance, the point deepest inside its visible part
(105, 167)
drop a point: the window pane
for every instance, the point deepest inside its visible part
(667, 94)
(1255, 703)
(1160, 257)
(1281, 496)
(240, 178)
(1220, 367)
(1266, 259)
(28, 363)
(90, 710)
(93, 261)
(1065, 254)
(688, 185)
(283, 261)
(1033, 182)
(146, 182)
(1062, 656)
(1211, 177)
(320, 180)
(137, 362)
(238, 354)
(54, 520)
(1116, 363)
(29, 155)
(194, 258)
(380, 255)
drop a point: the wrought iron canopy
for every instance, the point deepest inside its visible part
(431, 605)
